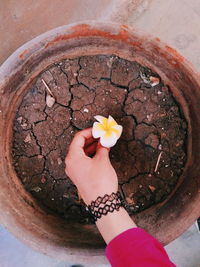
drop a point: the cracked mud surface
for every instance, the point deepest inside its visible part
(153, 127)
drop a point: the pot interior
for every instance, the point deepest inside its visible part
(106, 60)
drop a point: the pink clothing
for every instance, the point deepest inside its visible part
(137, 248)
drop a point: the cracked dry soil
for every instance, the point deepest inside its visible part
(84, 87)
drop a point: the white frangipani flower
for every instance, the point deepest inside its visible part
(107, 130)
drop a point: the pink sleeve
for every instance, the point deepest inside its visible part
(137, 248)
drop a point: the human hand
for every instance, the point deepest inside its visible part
(93, 176)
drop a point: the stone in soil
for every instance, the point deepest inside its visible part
(99, 85)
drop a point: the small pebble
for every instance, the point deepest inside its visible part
(50, 101)
(36, 189)
(152, 188)
(149, 117)
(130, 201)
(154, 81)
(59, 161)
(86, 110)
(27, 139)
(20, 119)
(43, 180)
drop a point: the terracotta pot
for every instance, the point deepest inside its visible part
(19, 211)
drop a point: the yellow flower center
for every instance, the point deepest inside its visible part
(107, 126)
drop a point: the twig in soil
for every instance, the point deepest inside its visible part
(48, 89)
(50, 99)
(158, 161)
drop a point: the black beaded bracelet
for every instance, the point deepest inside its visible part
(104, 205)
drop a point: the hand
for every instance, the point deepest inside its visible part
(93, 176)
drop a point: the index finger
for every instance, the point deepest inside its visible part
(79, 140)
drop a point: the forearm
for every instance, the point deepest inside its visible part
(114, 224)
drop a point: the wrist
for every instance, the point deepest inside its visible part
(114, 224)
(94, 194)
(105, 204)
(110, 216)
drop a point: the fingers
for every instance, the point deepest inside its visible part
(90, 141)
(90, 150)
(83, 144)
(102, 152)
(79, 140)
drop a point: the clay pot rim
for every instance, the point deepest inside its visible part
(50, 40)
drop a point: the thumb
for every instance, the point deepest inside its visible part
(102, 151)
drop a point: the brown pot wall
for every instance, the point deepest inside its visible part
(20, 212)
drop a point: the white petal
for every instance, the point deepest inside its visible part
(110, 118)
(96, 132)
(108, 141)
(119, 128)
(100, 118)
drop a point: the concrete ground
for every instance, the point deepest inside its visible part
(184, 252)
(176, 22)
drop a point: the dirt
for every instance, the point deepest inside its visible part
(149, 157)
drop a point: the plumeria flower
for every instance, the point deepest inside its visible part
(107, 130)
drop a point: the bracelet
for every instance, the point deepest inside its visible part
(103, 205)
